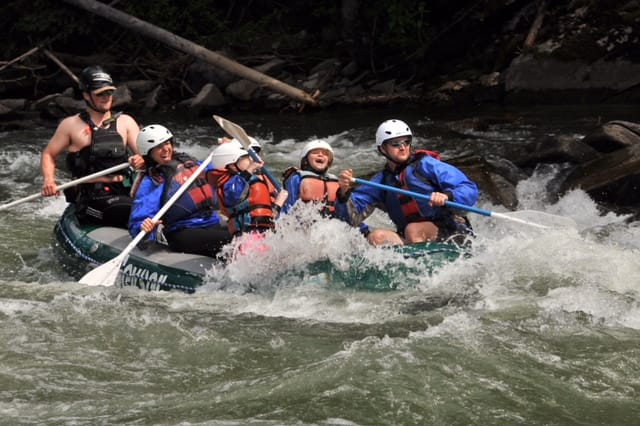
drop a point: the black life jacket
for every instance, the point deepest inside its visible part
(107, 149)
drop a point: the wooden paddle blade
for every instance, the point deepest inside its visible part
(105, 274)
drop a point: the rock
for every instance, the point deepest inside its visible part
(242, 89)
(150, 101)
(70, 105)
(8, 105)
(200, 73)
(559, 149)
(606, 170)
(530, 75)
(613, 135)
(4, 110)
(272, 67)
(122, 97)
(613, 176)
(496, 178)
(209, 96)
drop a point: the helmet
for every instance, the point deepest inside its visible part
(95, 78)
(255, 145)
(151, 136)
(316, 144)
(227, 153)
(391, 129)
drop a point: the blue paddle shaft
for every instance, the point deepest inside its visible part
(267, 173)
(422, 196)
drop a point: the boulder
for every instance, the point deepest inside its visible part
(613, 176)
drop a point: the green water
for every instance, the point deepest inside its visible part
(535, 328)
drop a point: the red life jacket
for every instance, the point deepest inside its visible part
(198, 199)
(408, 204)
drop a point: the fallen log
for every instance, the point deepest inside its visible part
(62, 66)
(19, 58)
(191, 48)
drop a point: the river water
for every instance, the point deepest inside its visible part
(534, 328)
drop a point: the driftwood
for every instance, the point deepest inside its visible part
(191, 48)
(535, 27)
(62, 66)
(19, 58)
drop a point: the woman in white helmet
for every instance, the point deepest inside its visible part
(191, 225)
(248, 199)
(418, 171)
(312, 182)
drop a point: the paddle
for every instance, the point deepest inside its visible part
(68, 184)
(107, 273)
(238, 132)
(557, 221)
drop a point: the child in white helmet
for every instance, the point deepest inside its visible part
(312, 182)
(248, 199)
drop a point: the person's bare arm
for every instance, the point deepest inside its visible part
(131, 131)
(60, 141)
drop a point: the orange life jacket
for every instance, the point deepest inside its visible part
(255, 212)
(315, 187)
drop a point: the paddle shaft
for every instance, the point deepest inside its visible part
(68, 184)
(238, 132)
(447, 203)
(107, 273)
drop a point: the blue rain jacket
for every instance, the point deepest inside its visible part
(147, 203)
(426, 175)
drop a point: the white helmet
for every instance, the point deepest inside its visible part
(151, 136)
(317, 144)
(391, 129)
(227, 153)
(254, 143)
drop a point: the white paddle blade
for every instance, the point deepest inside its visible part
(234, 130)
(105, 274)
(539, 219)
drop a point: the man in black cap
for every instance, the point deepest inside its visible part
(95, 140)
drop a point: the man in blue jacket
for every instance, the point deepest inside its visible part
(419, 171)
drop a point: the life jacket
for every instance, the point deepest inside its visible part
(106, 150)
(255, 212)
(315, 187)
(408, 205)
(197, 200)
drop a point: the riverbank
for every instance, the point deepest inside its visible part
(521, 53)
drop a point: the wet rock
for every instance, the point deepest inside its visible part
(614, 175)
(557, 149)
(150, 101)
(613, 135)
(241, 89)
(209, 96)
(496, 177)
(552, 78)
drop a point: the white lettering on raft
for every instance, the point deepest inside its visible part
(142, 278)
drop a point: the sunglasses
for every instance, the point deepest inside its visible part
(398, 144)
(105, 94)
